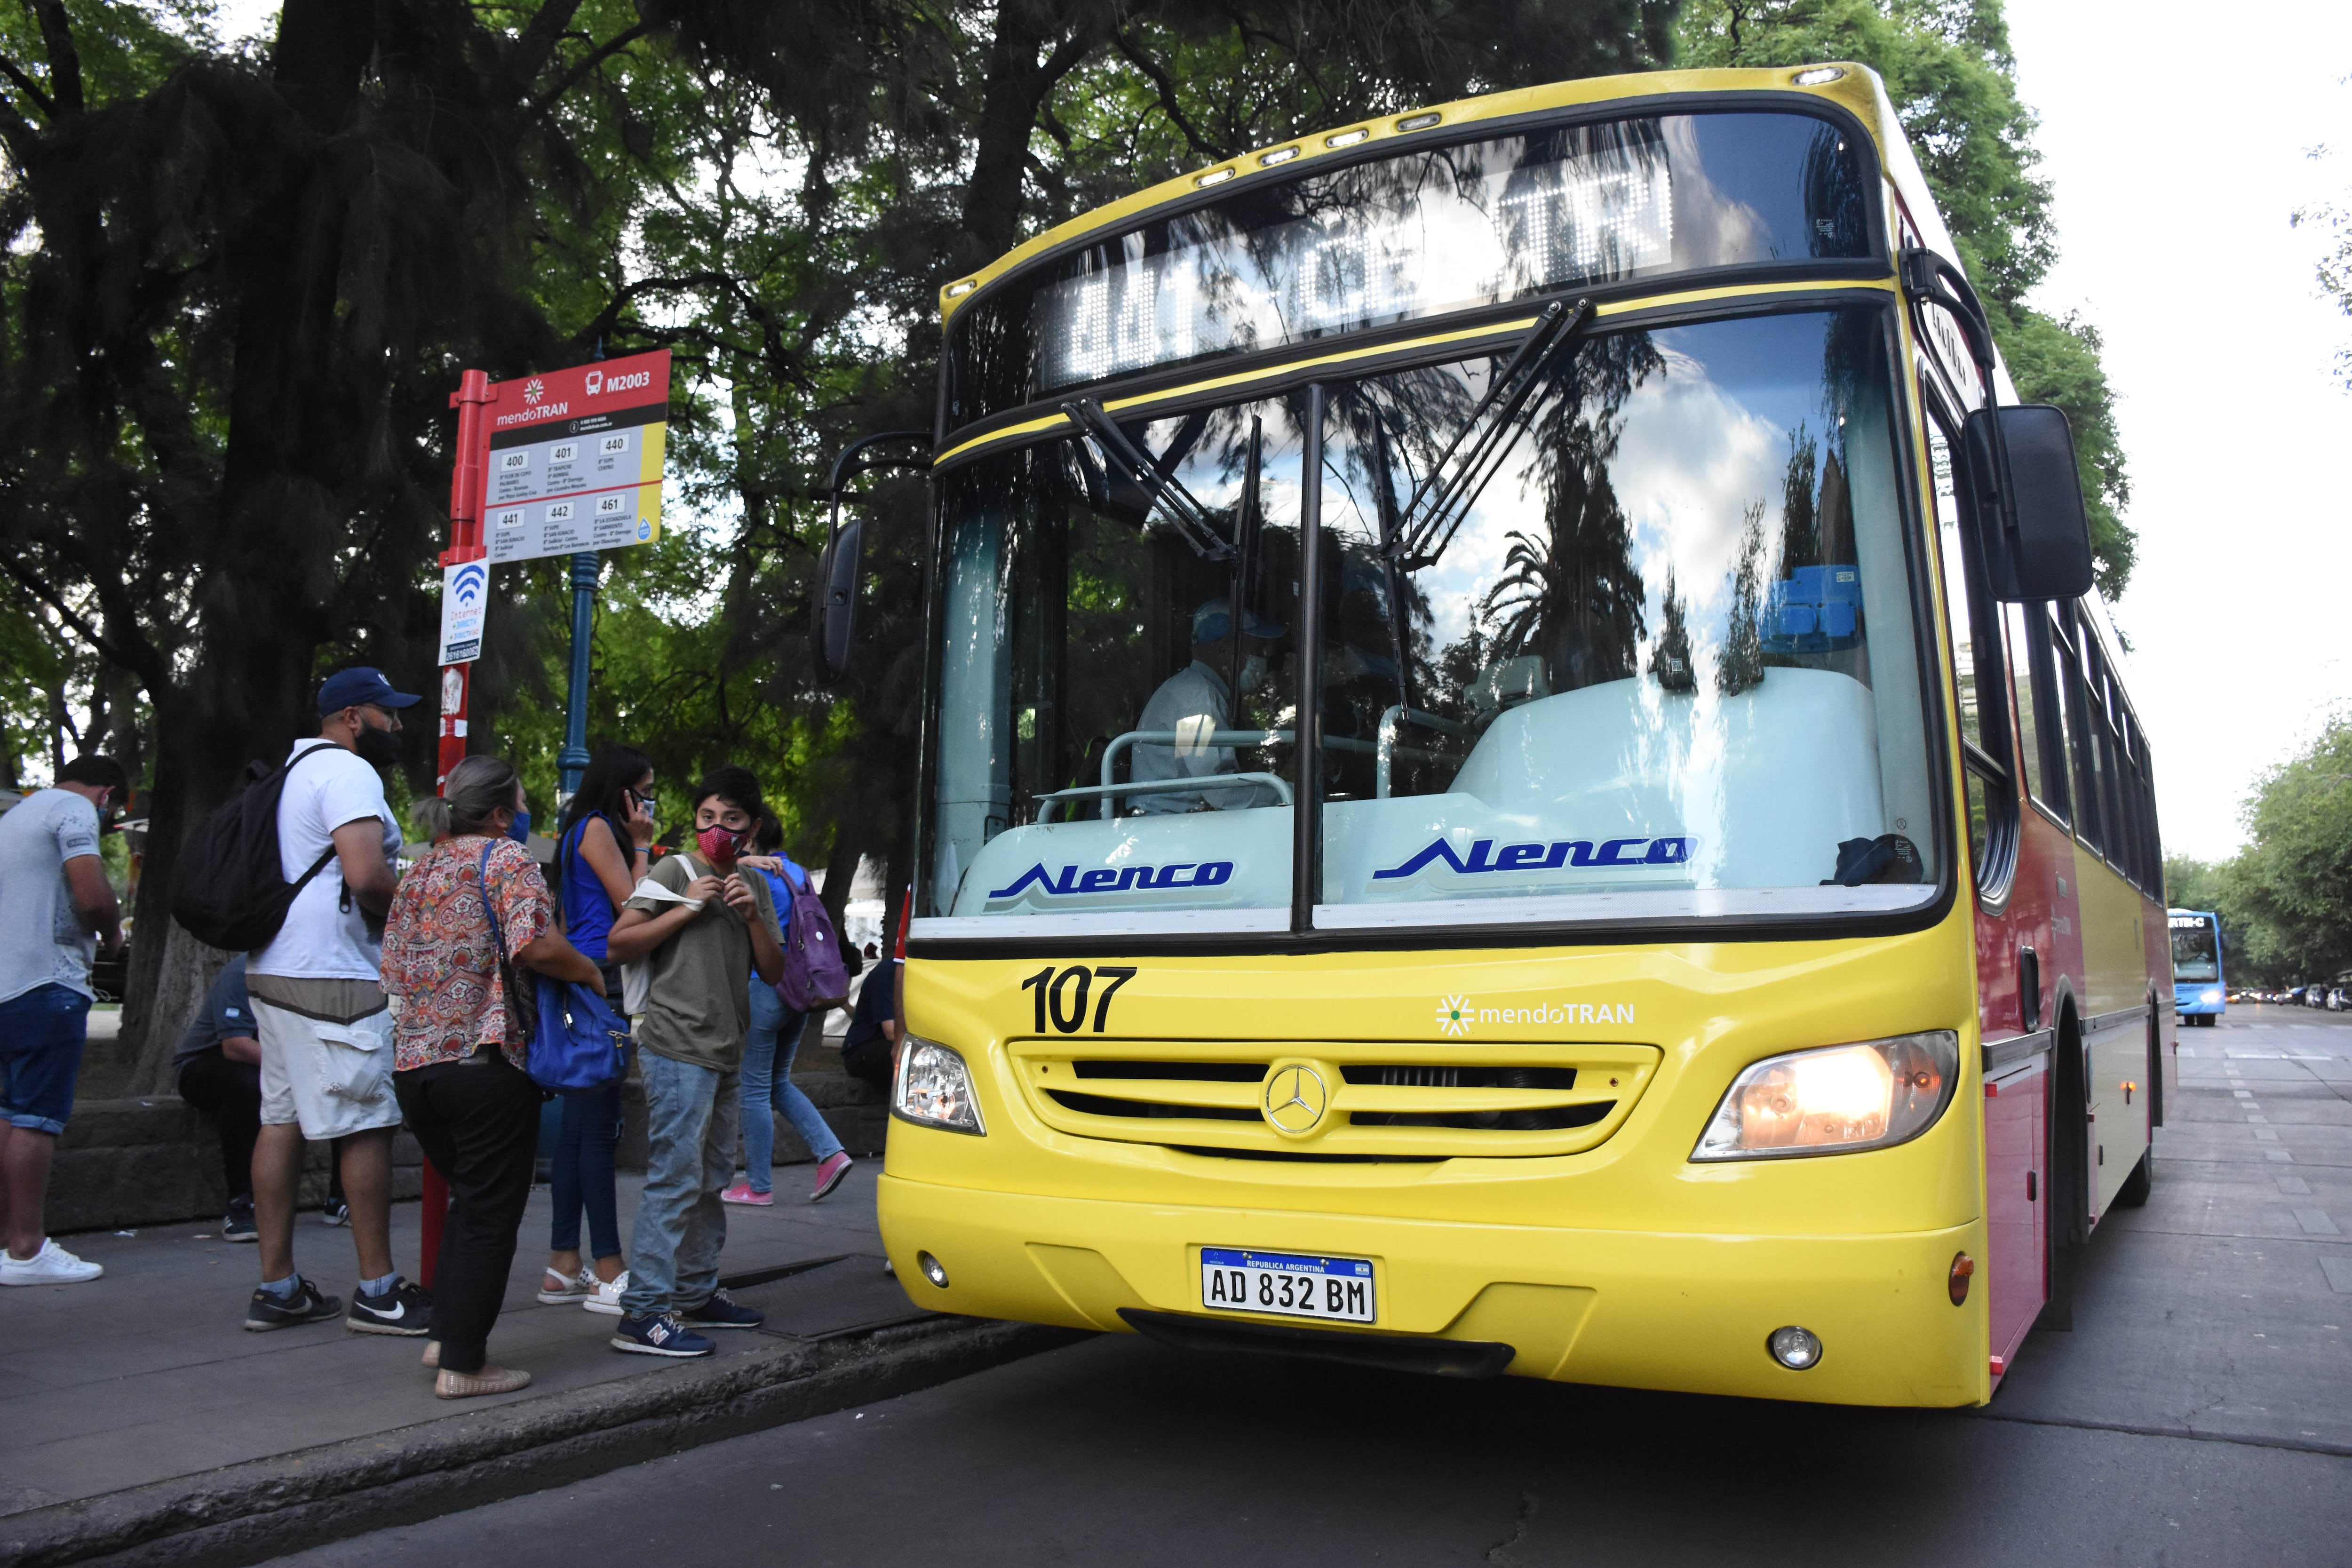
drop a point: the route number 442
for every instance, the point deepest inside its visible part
(1062, 996)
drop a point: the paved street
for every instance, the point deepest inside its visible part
(2201, 1413)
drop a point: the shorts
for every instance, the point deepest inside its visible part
(331, 1080)
(41, 1037)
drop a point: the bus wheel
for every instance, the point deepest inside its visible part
(2133, 1193)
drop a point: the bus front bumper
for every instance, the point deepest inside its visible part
(1639, 1310)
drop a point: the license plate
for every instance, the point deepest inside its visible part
(1338, 1289)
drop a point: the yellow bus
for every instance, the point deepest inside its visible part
(1520, 771)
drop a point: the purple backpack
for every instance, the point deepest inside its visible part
(814, 975)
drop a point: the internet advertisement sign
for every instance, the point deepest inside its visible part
(465, 596)
(575, 459)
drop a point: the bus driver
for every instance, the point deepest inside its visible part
(1196, 700)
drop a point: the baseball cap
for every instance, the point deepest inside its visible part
(360, 685)
(1212, 622)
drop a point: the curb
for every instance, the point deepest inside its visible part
(247, 1512)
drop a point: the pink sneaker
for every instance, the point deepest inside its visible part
(741, 1193)
(829, 1174)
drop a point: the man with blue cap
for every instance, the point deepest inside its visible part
(318, 1002)
(1197, 700)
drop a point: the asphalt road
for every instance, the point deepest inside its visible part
(2200, 1413)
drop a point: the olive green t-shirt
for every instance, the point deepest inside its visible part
(698, 1005)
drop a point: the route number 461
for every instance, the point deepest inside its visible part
(1063, 997)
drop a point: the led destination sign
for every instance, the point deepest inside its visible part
(1509, 232)
(1424, 233)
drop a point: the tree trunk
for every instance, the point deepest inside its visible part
(249, 691)
(186, 972)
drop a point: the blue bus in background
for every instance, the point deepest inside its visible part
(2197, 991)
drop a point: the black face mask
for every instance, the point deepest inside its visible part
(377, 748)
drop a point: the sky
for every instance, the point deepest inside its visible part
(2175, 172)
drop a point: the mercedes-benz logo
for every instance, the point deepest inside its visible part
(1296, 1098)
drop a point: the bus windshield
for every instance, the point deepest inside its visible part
(2195, 955)
(1665, 665)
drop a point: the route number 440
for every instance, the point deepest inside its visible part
(1062, 996)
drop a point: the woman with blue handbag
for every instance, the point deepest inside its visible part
(470, 925)
(603, 847)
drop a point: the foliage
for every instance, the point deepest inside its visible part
(2291, 887)
(2332, 220)
(1949, 74)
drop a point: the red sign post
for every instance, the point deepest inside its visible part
(558, 464)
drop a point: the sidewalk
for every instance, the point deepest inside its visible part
(140, 1395)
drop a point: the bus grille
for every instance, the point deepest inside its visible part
(1386, 1100)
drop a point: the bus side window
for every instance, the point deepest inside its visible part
(1981, 682)
(2090, 822)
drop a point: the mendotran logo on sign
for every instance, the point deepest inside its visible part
(1119, 878)
(1579, 852)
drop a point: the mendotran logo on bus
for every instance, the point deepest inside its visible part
(1119, 878)
(1572, 852)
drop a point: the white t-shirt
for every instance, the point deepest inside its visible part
(321, 939)
(42, 941)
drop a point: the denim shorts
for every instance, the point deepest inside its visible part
(41, 1035)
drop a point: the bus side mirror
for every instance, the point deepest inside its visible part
(2041, 550)
(836, 607)
(839, 568)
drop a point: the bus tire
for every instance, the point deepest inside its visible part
(2133, 1193)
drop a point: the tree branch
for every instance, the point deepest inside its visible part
(1165, 88)
(65, 60)
(28, 87)
(132, 659)
(535, 46)
(571, 79)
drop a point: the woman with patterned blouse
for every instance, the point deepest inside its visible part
(459, 1048)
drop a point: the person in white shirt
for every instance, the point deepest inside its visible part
(53, 898)
(1194, 701)
(319, 1005)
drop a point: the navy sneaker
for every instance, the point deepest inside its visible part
(405, 1309)
(337, 1213)
(720, 1312)
(238, 1226)
(269, 1311)
(658, 1333)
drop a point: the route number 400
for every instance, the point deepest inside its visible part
(1063, 997)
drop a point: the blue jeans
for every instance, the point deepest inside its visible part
(41, 1037)
(582, 1176)
(768, 1088)
(690, 1120)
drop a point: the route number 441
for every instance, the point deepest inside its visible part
(1062, 995)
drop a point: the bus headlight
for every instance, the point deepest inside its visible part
(1835, 1100)
(2208, 996)
(934, 1088)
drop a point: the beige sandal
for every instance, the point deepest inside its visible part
(433, 1353)
(489, 1380)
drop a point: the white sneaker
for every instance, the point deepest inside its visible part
(607, 1297)
(53, 1265)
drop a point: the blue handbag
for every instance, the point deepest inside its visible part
(577, 1042)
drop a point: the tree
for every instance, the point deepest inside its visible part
(1949, 73)
(235, 295)
(2332, 220)
(2292, 885)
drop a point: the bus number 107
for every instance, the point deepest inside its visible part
(1062, 997)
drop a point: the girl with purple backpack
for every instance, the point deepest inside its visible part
(768, 1051)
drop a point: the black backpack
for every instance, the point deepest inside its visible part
(229, 887)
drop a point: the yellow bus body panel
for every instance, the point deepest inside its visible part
(1627, 1264)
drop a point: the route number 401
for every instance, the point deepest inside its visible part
(1063, 997)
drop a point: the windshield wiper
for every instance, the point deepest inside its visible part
(1166, 492)
(1444, 499)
